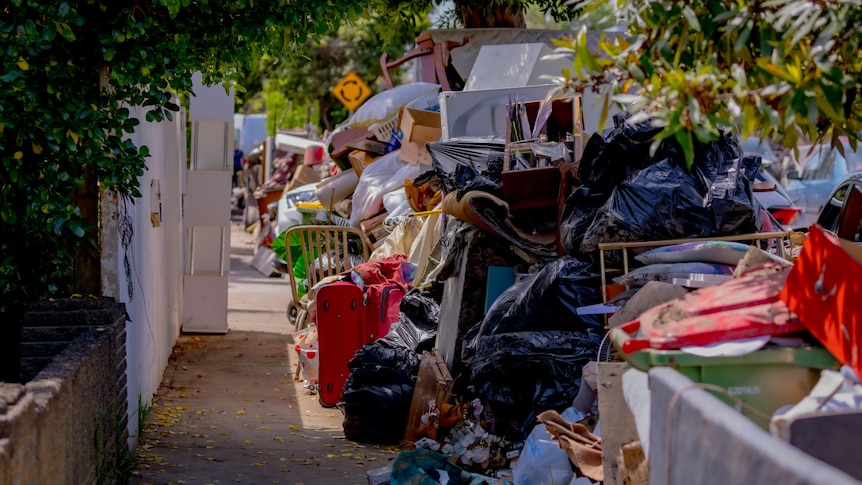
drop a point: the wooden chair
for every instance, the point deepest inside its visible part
(325, 251)
(433, 56)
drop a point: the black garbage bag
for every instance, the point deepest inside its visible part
(527, 353)
(578, 214)
(546, 300)
(377, 394)
(731, 199)
(668, 201)
(653, 197)
(549, 301)
(520, 374)
(610, 157)
(469, 164)
(416, 328)
(662, 201)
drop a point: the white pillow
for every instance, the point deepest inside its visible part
(385, 105)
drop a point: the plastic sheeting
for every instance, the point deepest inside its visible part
(378, 393)
(469, 164)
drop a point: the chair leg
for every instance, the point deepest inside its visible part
(301, 318)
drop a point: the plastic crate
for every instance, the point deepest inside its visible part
(383, 130)
(765, 380)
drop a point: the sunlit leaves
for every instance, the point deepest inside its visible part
(64, 30)
(772, 67)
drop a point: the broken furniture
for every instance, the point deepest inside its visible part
(322, 251)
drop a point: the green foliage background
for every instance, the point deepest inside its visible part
(72, 69)
(788, 70)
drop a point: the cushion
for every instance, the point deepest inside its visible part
(724, 252)
(668, 271)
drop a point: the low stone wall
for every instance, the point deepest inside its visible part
(67, 424)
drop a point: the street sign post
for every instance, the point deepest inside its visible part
(351, 91)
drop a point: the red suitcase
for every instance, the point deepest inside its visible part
(340, 333)
(382, 306)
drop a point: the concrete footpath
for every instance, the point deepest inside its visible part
(228, 409)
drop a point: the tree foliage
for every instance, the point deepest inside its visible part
(71, 71)
(780, 68)
(307, 76)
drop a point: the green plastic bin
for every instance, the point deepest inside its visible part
(765, 380)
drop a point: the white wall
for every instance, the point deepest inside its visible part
(150, 285)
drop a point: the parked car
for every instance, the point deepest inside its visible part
(776, 162)
(822, 167)
(842, 213)
(772, 197)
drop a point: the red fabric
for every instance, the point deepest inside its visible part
(382, 272)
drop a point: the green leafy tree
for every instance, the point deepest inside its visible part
(72, 69)
(782, 68)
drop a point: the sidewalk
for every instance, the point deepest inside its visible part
(228, 410)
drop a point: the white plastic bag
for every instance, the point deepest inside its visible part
(393, 200)
(385, 105)
(542, 461)
(309, 358)
(385, 175)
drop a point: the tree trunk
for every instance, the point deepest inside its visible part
(86, 276)
(476, 14)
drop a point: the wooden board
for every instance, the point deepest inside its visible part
(617, 422)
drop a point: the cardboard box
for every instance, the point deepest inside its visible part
(304, 174)
(419, 127)
(360, 159)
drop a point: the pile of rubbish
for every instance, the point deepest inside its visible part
(503, 270)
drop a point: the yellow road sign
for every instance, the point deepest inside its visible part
(351, 91)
